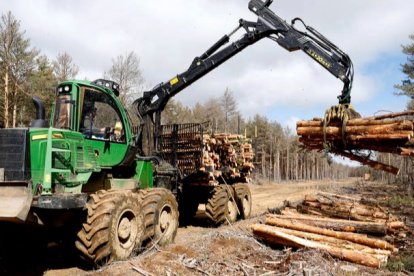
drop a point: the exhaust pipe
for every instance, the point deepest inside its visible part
(40, 108)
(40, 121)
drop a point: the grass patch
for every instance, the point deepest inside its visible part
(398, 200)
(401, 263)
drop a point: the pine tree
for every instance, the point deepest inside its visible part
(407, 86)
(229, 106)
(16, 65)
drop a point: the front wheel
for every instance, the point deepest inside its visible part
(114, 227)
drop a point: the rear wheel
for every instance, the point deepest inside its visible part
(160, 215)
(232, 209)
(113, 228)
(244, 200)
(217, 205)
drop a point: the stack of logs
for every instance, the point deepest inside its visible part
(229, 154)
(391, 133)
(338, 225)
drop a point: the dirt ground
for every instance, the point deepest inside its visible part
(198, 250)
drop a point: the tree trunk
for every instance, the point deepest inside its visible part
(263, 162)
(277, 162)
(6, 97)
(14, 112)
(296, 166)
(287, 158)
(270, 161)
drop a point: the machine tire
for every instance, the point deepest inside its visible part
(114, 227)
(160, 211)
(217, 205)
(244, 200)
(232, 210)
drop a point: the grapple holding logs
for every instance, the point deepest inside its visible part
(391, 133)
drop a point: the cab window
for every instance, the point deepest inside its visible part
(63, 109)
(100, 119)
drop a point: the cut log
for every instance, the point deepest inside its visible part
(340, 197)
(396, 127)
(269, 234)
(357, 238)
(343, 208)
(373, 228)
(336, 242)
(373, 164)
(392, 115)
(334, 211)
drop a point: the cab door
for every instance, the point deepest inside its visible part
(102, 126)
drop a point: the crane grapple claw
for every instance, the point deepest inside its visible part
(340, 112)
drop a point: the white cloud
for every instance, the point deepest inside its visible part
(168, 34)
(291, 122)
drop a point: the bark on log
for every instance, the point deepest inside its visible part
(277, 237)
(340, 197)
(356, 238)
(373, 164)
(390, 133)
(368, 121)
(399, 127)
(335, 211)
(345, 208)
(392, 115)
(373, 228)
(335, 242)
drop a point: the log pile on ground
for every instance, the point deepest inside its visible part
(337, 224)
(228, 155)
(391, 133)
(336, 206)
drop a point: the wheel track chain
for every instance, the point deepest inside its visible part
(92, 238)
(216, 207)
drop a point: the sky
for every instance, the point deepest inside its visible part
(266, 79)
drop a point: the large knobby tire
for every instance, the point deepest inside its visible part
(114, 227)
(217, 206)
(160, 211)
(232, 209)
(244, 200)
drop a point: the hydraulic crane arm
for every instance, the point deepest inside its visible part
(268, 25)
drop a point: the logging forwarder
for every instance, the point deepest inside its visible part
(117, 193)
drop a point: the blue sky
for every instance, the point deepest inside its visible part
(385, 70)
